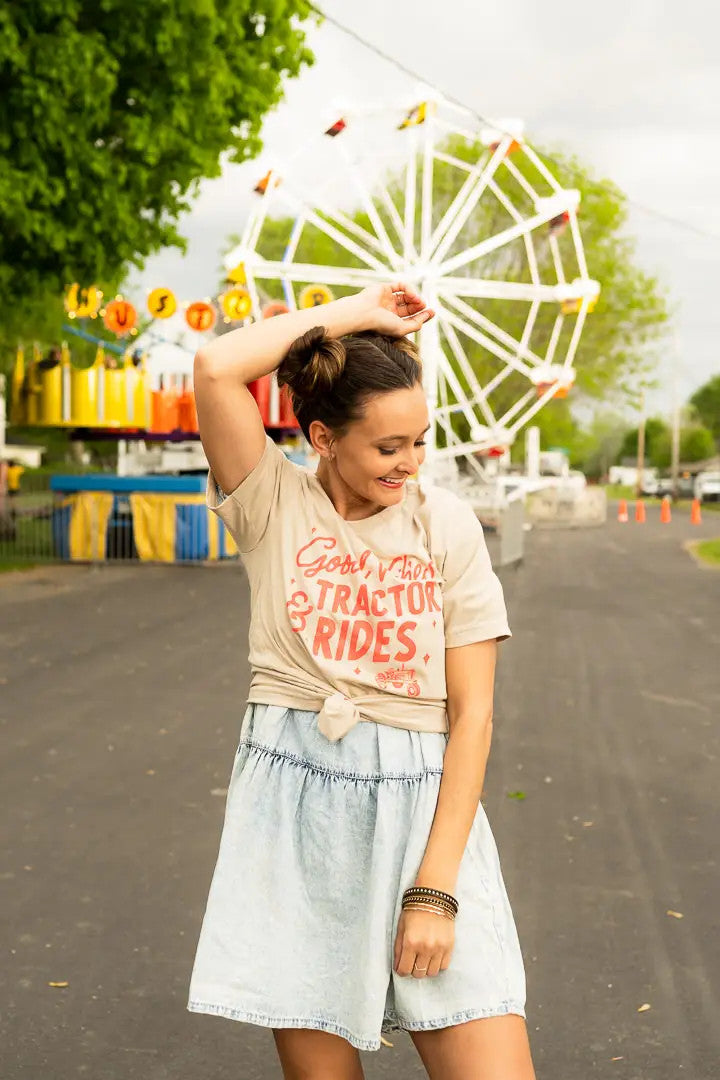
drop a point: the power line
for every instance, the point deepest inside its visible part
(668, 218)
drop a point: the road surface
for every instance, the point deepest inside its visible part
(124, 691)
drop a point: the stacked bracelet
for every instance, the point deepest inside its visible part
(428, 907)
(422, 891)
(421, 898)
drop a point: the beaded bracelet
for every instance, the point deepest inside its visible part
(428, 907)
(423, 891)
(450, 904)
(430, 892)
(431, 902)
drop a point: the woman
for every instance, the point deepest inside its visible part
(357, 887)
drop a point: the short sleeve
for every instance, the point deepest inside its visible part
(248, 510)
(473, 600)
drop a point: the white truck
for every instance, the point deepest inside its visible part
(707, 486)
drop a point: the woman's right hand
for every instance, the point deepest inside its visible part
(423, 938)
(395, 309)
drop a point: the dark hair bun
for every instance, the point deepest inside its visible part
(312, 364)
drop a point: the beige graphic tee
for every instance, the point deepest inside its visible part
(352, 618)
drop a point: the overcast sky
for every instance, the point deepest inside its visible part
(632, 88)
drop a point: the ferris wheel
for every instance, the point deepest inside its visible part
(472, 217)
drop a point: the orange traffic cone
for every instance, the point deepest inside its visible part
(665, 511)
(640, 512)
(695, 515)
(622, 510)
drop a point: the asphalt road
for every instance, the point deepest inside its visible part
(122, 691)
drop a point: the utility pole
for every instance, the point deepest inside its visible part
(675, 451)
(641, 446)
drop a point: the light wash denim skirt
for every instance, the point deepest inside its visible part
(319, 841)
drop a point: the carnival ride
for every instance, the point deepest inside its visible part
(474, 218)
(117, 400)
(469, 214)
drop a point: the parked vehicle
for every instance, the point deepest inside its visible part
(659, 486)
(651, 487)
(707, 486)
(686, 487)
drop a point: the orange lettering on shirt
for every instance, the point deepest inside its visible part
(415, 598)
(344, 628)
(411, 568)
(396, 591)
(313, 561)
(430, 594)
(298, 617)
(358, 647)
(361, 601)
(376, 596)
(342, 595)
(323, 632)
(324, 586)
(381, 571)
(380, 652)
(316, 564)
(410, 647)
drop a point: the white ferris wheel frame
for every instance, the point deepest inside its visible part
(423, 260)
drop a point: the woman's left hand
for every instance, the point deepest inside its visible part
(425, 939)
(395, 310)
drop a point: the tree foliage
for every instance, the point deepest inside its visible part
(657, 432)
(696, 444)
(112, 111)
(706, 404)
(595, 446)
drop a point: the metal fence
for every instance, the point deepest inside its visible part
(40, 525)
(26, 522)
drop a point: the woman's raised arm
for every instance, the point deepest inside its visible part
(231, 429)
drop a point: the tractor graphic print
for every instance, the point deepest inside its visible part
(399, 677)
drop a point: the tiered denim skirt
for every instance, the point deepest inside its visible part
(319, 841)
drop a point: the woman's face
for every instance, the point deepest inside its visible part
(381, 450)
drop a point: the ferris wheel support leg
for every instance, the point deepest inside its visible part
(430, 354)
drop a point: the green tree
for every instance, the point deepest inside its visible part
(111, 113)
(696, 444)
(706, 404)
(657, 432)
(597, 445)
